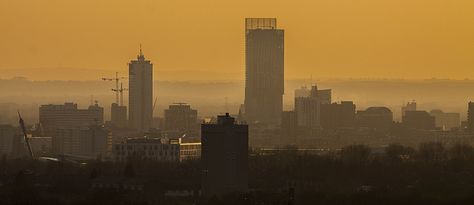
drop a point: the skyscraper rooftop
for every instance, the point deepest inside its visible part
(260, 23)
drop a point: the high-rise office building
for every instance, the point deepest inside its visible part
(140, 93)
(264, 68)
(65, 124)
(52, 117)
(224, 157)
(89, 141)
(180, 117)
(308, 109)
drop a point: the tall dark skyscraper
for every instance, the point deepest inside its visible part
(140, 93)
(264, 68)
(470, 116)
(224, 157)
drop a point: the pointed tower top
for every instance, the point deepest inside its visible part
(141, 57)
(141, 53)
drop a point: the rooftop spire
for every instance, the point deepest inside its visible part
(141, 56)
(141, 53)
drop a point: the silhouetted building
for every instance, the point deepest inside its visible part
(264, 65)
(95, 142)
(338, 115)
(411, 106)
(52, 117)
(156, 149)
(144, 148)
(302, 92)
(84, 141)
(140, 93)
(180, 117)
(118, 115)
(446, 121)
(470, 116)
(324, 95)
(418, 120)
(308, 110)
(224, 157)
(379, 119)
(120, 134)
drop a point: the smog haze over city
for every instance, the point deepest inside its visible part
(237, 102)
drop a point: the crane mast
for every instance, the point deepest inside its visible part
(117, 90)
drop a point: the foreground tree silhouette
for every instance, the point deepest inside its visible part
(355, 154)
(129, 172)
(396, 153)
(461, 152)
(431, 152)
(3, 165)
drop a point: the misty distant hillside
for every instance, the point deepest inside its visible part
(210, 97)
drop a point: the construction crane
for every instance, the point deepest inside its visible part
(117, 90)
(73, 159)
(154, 103)
(27, 141)
(121, 93)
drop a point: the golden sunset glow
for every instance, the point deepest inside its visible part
(204, 40)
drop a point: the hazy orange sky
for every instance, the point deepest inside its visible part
(204, 39)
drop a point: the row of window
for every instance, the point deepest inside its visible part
(145, 147)
(150, 153)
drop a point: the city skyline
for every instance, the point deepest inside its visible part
(229, 107)
(352, 39)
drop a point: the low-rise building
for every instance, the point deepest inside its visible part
(156, 149)
(189, 150)
(419, 119)
(379, 119)
(81, 141)
(41, 145)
